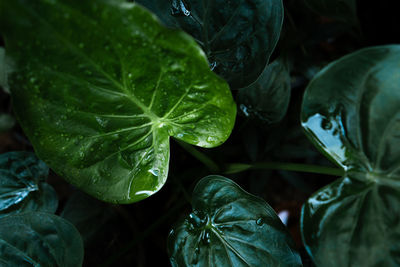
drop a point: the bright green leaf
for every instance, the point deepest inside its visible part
(99, 88)
(351, 111)
(230, 227)
(237, 36)
(39, 239)
(267, 98)
(22, 184)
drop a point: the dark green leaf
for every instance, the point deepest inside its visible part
(87, 214)
(342, 10)
(230, 227)
(267, 98)
(351, 111)
(101, 86)
(22, 186)
(6, 122)
(237, 36)
(39, 239)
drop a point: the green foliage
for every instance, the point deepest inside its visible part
(39, 239)
(351, 112)
(267, 99)
(6, 122)
(230, 227)
(22, 185)
(100, 87)
(238, 37)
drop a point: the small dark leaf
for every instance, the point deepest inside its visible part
(5, 69)
(267, 98)
(22, 184)
(39, 239)
(237, 36)
(230, 227)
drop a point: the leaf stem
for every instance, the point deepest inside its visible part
(297, 167)
(203, 158)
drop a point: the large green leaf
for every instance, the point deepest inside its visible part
(22, 184)
(351, 111)
(39, 239)
(230, 227)
(342, 10)
(237, 36)
(99, 88)
(267, 99)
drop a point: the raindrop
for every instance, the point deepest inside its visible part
(213, 65)
(244, 109)
(81, 45)
(326, 124)
(179, 8)
(155, 172)
(260, 221)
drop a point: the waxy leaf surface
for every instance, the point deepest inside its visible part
(230, 227)
(238, 37)
(351, 111)
(99, 88)
(22, 184)
(39, 239)
(267, 99)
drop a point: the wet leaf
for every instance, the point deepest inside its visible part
(39, 239)
(230, 227)
(351, 113)
(22, 185)
(101, 86)
(267, 99)
(237, 36)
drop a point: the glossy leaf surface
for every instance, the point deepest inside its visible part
(237, 36)
(100, 87)
(342, 10)
(39, 239)
(22, 184)
(230, 227)
(267, 99)
(351, 111)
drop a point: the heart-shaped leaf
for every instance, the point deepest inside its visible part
(351, 111)
(22, 184)
(99, 88)
(237, 36)
(267, 99)
(230, 227)
(39, 239)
